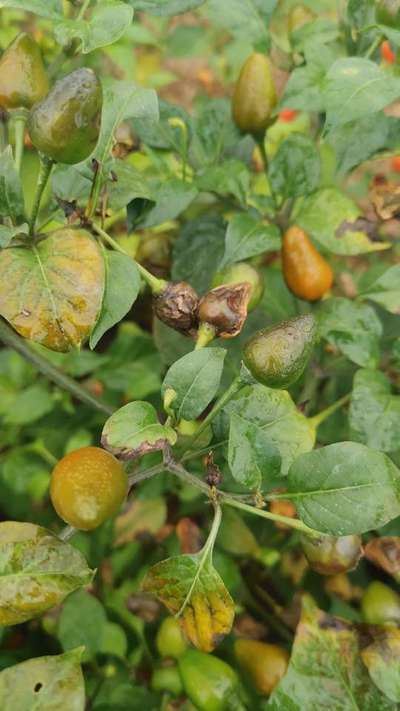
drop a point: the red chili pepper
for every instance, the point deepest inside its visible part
(387, 53)
(288, 115)
(396, 164)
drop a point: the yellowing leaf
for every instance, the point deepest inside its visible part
(191, 589)
(51, 292)
(140, 516)
(37, 571)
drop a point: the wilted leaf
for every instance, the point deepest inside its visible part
(53, 683)
(345, 488)
(195, 380)
(382, 661)
(134, 430)
(254, 459)
(374, 413)
(107, 23)
(121, 290)
(275, 413)
(52, 293)
(385, 553)
(190, 587)
(37, 571)
(325, 669)
(352, 327)
(247, 237)
(140, 516)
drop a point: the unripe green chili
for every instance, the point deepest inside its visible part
(380, 604)
(210, 683)
(277, 356)
(65, 126)
(254, 97)
(23, 79)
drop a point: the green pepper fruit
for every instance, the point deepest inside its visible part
(167, 679)
(23, 79)
(170, 640)
(210, 683)
(65, 125)
(239, 273)
(277, 356)
(388, 13)
(380, 604)
(254, 97)
(330, 556)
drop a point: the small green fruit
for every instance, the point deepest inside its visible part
(65, 126)
(210, 683)
(254, 97)
(170, 640)
(167, 679)
(330, 556)
(277, 356)
(380, 604)
(23, 79)
(242, 272)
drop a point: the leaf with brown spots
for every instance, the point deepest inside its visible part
(51, 291)
(134, 430)
(382, 661)
(141, 516)
(385, 553)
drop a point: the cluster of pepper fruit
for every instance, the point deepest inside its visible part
(64, 125)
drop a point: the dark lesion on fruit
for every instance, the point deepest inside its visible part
(176, 306)
(225, 308)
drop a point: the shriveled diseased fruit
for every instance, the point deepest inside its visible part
(307, 274)
(23, 78)
(170, 640)
(388, 13)
(263, 664)
(239, 273)
(177, 306)
(254, 97)
(329, 555)
(277, 356)
(210, 683)
(65, 126)
(87, 487)
(224, 309)
(380, 604)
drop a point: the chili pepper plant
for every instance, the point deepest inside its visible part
(199, 372)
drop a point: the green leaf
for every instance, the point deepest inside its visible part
(325, 669)
(37, 571)
(352, 327)
(195, 380)
(214, 135)
(134, 430)
(200, 244)
(8, 233)
(45, 683)
(275, 413)
(356, 87)
(229, 178)
(82, 622)
(160, 133)
(190, 587)
(165, 7)
(384, 290)
(106, 25)
(242, 18)
(331, 218)
(295, 169)
(381, 658)
(30, 405)
(374, 414)
(45, 8)
(121, 290)
(247, 237)
(356, 141)
(303, 90)
(172, 197)
(114, 641)
(278, 303)
(345, 488)
(11, 195)
(253, 458)
(52, 292)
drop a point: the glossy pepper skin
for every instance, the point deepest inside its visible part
(210, 683)
(87, 487)
(330, 556)
(254, 97)
(388, 13)
(23, 78)
(170, 640)
(242, 272)
(277, 356)
(307, 274)
(65, 126)
(263, 664)
(380, 604)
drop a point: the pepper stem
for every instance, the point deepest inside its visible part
(318, 419)
(19, 129)
(46, 166)
(205, 335)
(156, 285)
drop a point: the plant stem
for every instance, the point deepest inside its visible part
(83, 9)
(234, 387)
(318, 419)
(19, 128)
(292, 522)
(67, 533)
(205, 335)
(156, 285)
(46, 166)
(10, 338)
(137, 477)
(375, 44)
